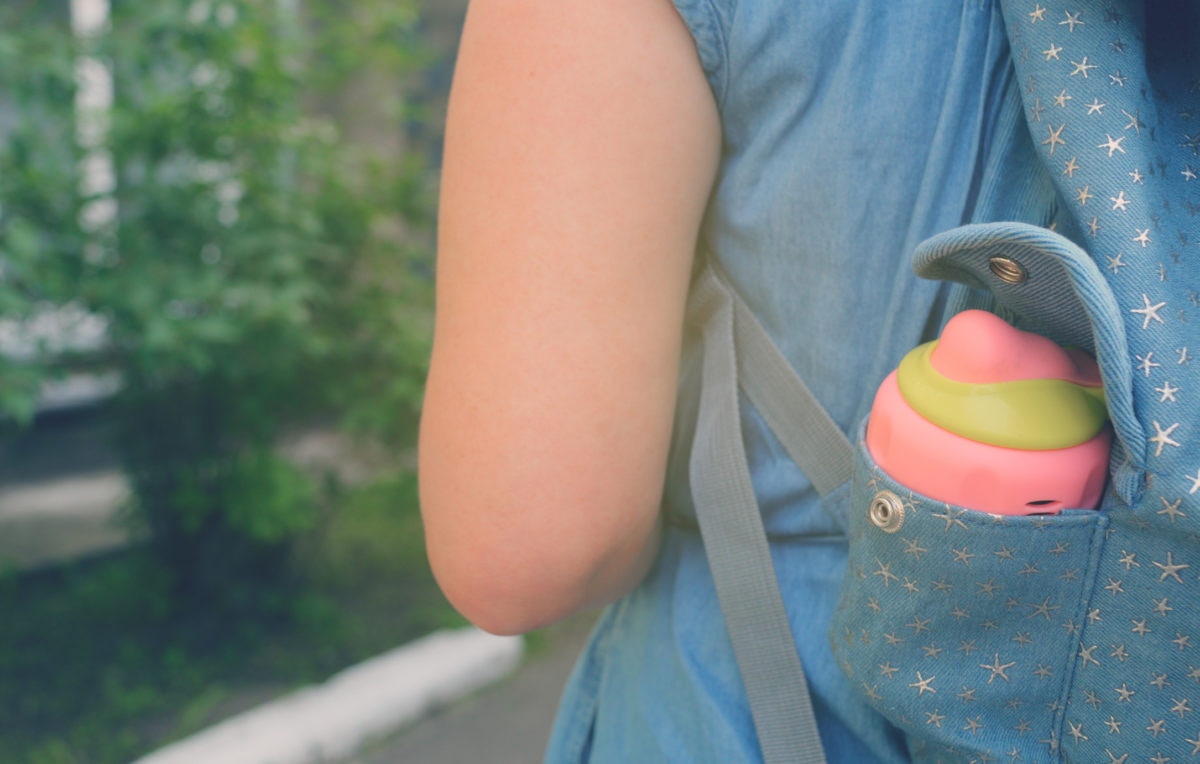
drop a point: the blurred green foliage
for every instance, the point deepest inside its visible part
(95, 672)
(253, 269)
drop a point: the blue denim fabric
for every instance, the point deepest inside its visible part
(953, 622)
(1100, 661)
(852, 131)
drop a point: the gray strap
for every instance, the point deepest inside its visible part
(737, 549)
(811, 438)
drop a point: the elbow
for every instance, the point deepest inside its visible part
(512, 583)
(502, 595)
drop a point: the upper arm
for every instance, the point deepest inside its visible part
(581, 145)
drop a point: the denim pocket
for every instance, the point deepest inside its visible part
(962, 627)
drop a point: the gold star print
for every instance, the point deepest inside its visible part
(1135, 123)
(1036, 110)
(1163, 438)
(1044, 609)
(997, 668)
(1061, 99)
(1167, 391)
(1195, 742)
(923, 685)
(1171, 568)
(1076, 731)
(1038, 14)
(919, 624)
(952, 517)
(914, 548)
(1146, 364)
(1055, 138)
(1083, 195)
(1082, 67)
(1143, 237)
(1171, 510)
(885, 571)
(988, 587)
(1052, 52)
(1149, 312)
(1069, 167)
(1112, 144)
(1085, 654)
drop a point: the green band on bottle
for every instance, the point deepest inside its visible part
(1028, 414)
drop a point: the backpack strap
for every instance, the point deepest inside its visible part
(737, 351)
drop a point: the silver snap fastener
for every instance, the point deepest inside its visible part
(1007, 270)
(887, 512)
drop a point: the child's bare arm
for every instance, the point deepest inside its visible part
(581, 147)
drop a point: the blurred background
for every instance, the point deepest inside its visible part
(216, 257)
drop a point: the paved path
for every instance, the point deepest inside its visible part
(507, 723)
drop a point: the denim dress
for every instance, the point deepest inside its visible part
(852, 131)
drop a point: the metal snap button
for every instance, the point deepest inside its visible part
(1007, 270)
(887, 512)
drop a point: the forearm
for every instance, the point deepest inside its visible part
(581, 145)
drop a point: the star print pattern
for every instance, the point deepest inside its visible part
(1074, 637)
(992, 627)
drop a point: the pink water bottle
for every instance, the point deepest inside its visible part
(994, 419)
